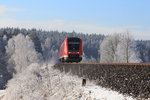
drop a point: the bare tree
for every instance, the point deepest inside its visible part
(119, 48)
(126, 49)
(108, 48)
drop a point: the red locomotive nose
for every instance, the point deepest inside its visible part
(71, 50)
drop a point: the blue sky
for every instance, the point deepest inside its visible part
(87, 16)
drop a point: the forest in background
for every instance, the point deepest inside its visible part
(53, 39)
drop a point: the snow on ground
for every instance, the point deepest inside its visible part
(2, 93)
(47, 84)
(99, 93)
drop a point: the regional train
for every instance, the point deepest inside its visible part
(71, 50)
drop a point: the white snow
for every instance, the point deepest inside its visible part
(2, 93)
(45, 83)
(99, 93)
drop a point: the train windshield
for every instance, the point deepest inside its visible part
(73, 44)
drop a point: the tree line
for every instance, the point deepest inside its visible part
(45, 41)
(21, 47)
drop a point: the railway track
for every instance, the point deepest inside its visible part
(135, 64)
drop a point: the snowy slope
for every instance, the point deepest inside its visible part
(2, 93)
(44, 83)
(99, 93)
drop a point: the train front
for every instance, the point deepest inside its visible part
(74, 49)
(71, 50)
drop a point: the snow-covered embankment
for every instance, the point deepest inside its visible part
(44, 83)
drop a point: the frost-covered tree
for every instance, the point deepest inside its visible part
(46, 48)
(108, 49)
(119, 48)
(126, 50)
(54, 56)
(21, 53)
(50, 54)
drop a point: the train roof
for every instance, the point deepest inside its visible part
(73, 38)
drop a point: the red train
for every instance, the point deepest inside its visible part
(71, 50)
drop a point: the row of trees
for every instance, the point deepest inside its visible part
(119, 48)
(53, 39)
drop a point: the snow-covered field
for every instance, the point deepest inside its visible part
(44, 83)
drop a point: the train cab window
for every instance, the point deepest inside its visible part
(73, 44)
